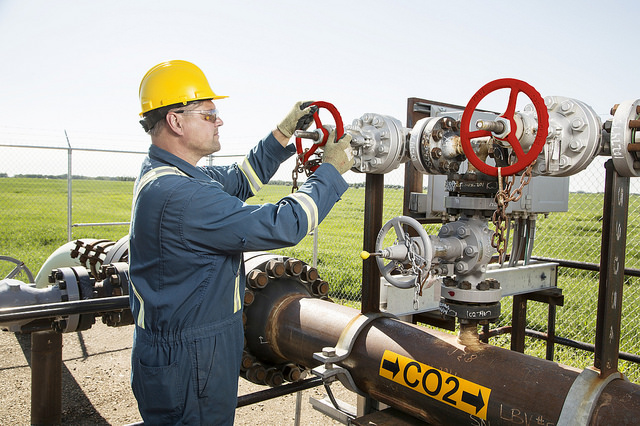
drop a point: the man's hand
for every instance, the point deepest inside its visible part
(339, 153)
(299, 118)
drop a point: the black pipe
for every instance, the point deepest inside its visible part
(278, 391)
(52, 310)
(631, 272)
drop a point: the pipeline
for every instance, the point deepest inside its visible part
(433, 376)
(519, 385)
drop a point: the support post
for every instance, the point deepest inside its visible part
(373, 206)
(46, 378)
(519, 323)
(612, 260)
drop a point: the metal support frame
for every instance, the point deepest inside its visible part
(612, 260)
(552, 297)
(330, 356)
(582, 397)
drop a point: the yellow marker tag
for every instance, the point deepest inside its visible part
(444, 387)
(364, 255)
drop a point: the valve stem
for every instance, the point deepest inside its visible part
(306, 135)
(492, 126)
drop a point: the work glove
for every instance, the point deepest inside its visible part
(339, 154)
(299, 118)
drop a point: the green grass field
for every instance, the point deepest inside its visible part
(34, 223)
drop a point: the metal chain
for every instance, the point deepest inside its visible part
(301, 167)
(503, 197)
(418, 271)
(294, 174)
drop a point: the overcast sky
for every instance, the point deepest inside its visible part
(77, 65)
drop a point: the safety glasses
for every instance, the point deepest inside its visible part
(210, 115)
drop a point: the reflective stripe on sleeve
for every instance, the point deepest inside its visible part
(310, 208)
(252, 177)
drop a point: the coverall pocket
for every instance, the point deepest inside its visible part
(158, 390)
(205, 357)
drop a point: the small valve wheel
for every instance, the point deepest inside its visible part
(410, 256)
(305, 155)
(18, 269)
(523, 159)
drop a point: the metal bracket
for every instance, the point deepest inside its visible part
(331, 355)
(581, 398)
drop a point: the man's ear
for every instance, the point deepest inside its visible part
(174, 122)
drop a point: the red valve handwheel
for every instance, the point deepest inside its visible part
(524, 158)
(305, 155)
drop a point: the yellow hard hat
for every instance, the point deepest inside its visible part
(174, 82)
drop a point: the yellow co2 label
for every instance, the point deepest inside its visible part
(452, 390)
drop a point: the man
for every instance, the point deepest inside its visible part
(190, 226)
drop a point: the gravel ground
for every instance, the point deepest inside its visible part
(96, 391)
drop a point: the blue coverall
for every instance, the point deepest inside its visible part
(190, 226)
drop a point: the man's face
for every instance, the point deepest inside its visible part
(201, 129)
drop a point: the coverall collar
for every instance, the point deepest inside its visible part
(159, 154)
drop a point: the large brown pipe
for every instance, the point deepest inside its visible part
(523, 389)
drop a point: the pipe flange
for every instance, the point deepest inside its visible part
(622, 136)
(270, 277)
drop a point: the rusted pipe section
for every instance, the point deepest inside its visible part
(435, 376)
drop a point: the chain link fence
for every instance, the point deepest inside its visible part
(38, 216)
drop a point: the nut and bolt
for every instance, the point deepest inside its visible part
(249, 297)
(483, 285)
(328, 351)
(578, 124)
(309, 273)
(257, 279)
(470, 251)
(291, 372)
(463, 231)
(275, 268)
(449, 282)
(461, 267)
(293, 267)
(320, 288)
(566, 107)
(464, 285)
